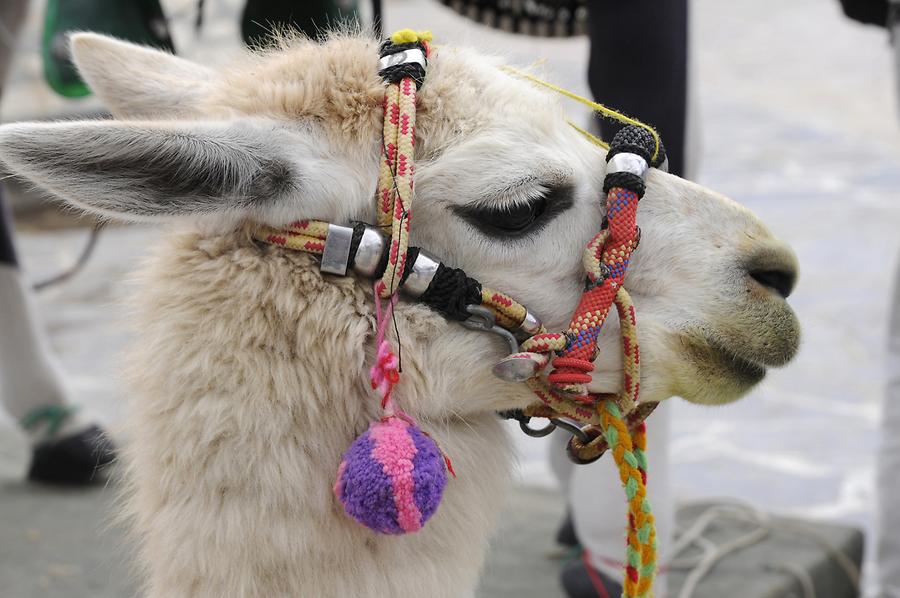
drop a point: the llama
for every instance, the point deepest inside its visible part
(249, 367)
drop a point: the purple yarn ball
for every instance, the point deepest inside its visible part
(392, 477)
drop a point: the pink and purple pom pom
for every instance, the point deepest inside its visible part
(392, 477)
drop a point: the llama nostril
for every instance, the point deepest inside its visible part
(781, 281)
(773, 265)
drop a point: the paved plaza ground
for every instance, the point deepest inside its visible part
(795, 117)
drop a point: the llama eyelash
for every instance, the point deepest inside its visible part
(515, 220)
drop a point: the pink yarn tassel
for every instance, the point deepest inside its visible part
(385, 374)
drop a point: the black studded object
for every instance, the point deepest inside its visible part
(540, 18)
(637, 140)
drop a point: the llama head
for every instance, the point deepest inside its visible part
(505, 189)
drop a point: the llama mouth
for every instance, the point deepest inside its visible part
(714, 359)
(742, 368)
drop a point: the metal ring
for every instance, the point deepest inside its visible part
(628, 162)
(483, 319)
(423, 271)
(530, 326)
(536, 432)
(572, 429)
(368, 255)
(575, 458)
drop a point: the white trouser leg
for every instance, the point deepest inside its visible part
(598, 502)
(888, 482)
(30, 376)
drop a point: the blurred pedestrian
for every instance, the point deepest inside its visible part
(65, 448)
(887, 487)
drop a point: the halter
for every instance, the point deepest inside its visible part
(382, 253)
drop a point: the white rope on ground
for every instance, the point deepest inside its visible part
(698, 567)
(805, 579)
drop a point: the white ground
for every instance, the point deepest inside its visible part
(796, 113)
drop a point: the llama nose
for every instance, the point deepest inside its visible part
(774, 266)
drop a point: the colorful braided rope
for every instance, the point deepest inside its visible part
(395, 182)
(302, 235)
(509, 312)
(564, 391)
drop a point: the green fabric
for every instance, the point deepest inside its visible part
(138, 21)
(53, 415)
(312, 17)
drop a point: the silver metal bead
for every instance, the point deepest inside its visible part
(423, 271)
(530, 326)
(628, 162)
(403, 57)
(336, 254)
(368, 255)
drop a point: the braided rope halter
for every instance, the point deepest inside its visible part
(608, 421)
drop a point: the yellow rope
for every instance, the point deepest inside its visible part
(409, 36)
(605, 111)
(590, 137)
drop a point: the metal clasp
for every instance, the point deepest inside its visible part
(483, 319)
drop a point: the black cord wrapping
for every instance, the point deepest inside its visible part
(625, 180)
(397, 72)
(412, 254)
(636, 140)
(451, 291)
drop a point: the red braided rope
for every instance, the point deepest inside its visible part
(607, 258)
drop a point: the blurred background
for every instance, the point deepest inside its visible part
(792, 113)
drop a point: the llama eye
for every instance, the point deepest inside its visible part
(518, 219)
(515, 218)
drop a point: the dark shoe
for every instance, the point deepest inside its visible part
(72, 460)
(580, 580)
(565, 535)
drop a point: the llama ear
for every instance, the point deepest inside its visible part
(137, 81)
(148, 170)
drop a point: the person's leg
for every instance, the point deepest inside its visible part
(598, 503)
(888, 482)
(30, 377)
(32, 390)
(66, 448)
(638, 65)
(887, 486)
